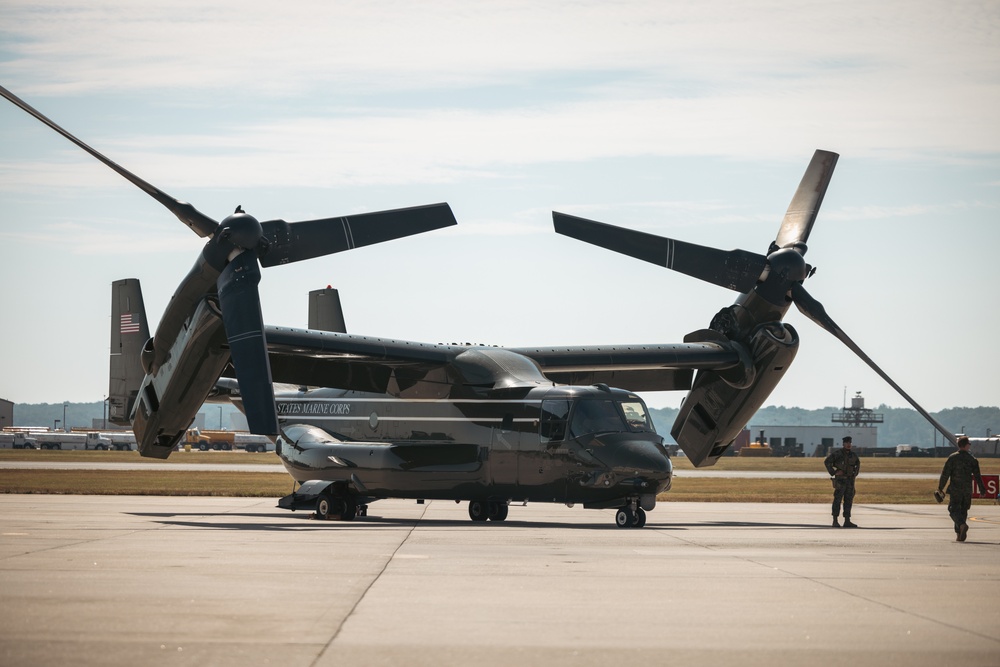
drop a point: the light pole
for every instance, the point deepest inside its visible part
(64, 416)
(220, 417)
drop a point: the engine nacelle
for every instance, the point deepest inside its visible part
(169, 400)
(717, 408)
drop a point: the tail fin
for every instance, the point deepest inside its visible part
(129, 332)
(325, 313)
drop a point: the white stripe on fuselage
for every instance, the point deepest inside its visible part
(342, 409)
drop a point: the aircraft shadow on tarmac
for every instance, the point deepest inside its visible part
(281, 522)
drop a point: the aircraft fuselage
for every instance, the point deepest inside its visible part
(589, 445)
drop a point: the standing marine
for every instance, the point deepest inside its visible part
(843, 466)
(959, 471)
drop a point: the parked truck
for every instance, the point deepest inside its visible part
(17, 441)
(254, 443)
(204, 440)
(63, 440)
(120, 440)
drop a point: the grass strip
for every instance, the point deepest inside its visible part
(253, 484)
(81, 456)
(146, 482)
(728, 463)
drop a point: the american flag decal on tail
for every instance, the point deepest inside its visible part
(127, 325)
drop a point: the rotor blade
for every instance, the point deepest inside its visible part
(815, 311)
(295, 241)
(186, 213)
(801, 213)
(241, 314)
(734, 269)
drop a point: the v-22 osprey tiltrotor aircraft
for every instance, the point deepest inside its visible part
(358, 418)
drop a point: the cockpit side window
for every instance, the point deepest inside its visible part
(552, 425)
(595, 416)
(636, 416)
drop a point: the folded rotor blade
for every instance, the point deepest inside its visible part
(815, 311)
(240, 302)
(801, 213)
(186, 213)
(295, 241)
(734, 269)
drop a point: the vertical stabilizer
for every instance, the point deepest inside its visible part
(129, 332)
(325, 313)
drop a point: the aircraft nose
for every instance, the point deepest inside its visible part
(631, 456)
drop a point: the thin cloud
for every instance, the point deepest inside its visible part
(448, 146)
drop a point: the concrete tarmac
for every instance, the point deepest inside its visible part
(101, 580)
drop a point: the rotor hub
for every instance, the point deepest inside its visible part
(241, 230)
(788, 265)
(785, 267)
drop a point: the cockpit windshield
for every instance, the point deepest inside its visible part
(609, 416)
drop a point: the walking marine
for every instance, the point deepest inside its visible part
(960, 470)
(843, 466)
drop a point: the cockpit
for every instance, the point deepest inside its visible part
(573, 418)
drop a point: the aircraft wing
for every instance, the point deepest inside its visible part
(350, 361)
(635, 367)
(370, 363)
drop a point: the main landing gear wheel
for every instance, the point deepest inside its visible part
(497, 511)
(324, 506)
(329, 506)
(349, 510)
(478, 510)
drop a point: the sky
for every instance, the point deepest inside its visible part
(692, 120)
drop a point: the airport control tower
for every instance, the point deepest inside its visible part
(857, 414)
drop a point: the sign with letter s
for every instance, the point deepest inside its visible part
(992, 484)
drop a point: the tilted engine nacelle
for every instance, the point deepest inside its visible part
(169, 399)
(721, 403)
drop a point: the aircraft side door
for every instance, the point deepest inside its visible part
(504, 445)
(541, 462)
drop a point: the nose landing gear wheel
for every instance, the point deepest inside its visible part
(627, 518)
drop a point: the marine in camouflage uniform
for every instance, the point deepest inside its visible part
(959, 471)
(843, 466)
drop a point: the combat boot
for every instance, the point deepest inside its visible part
(836, 524)
(848, 524)
(963, 530)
